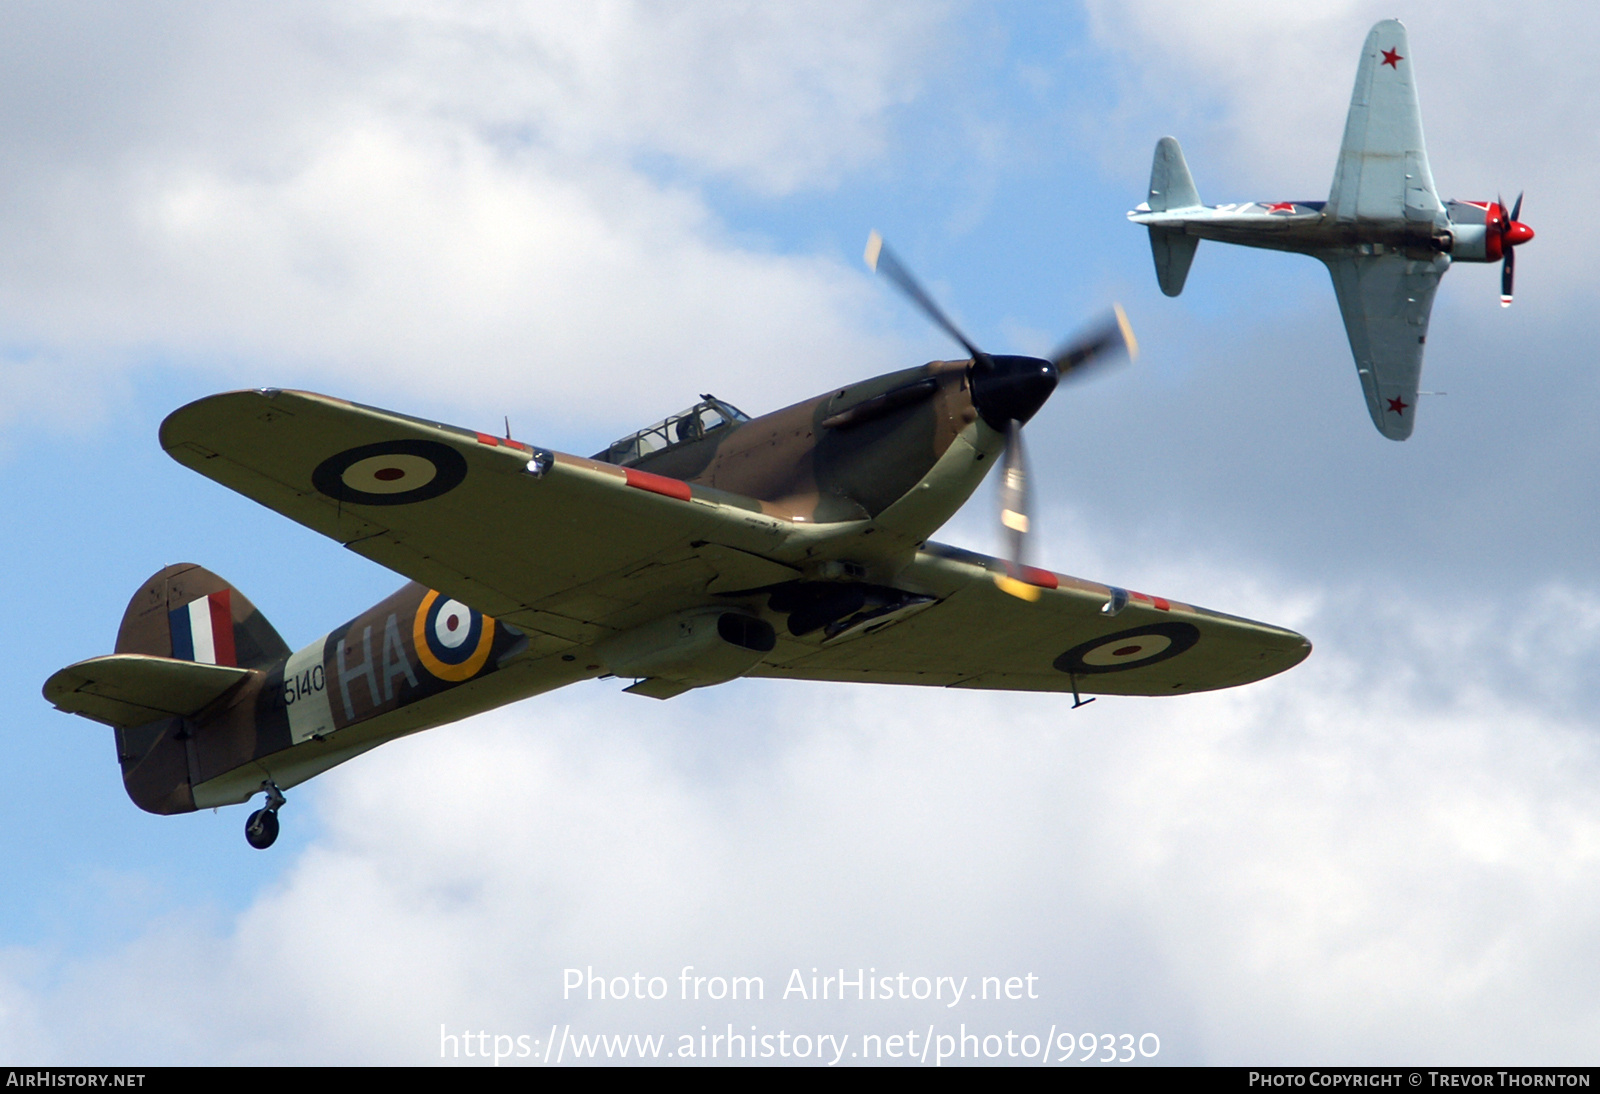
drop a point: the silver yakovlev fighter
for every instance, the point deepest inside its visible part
(1384, 234)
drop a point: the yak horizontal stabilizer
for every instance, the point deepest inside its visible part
(1171, 187)
(1174, 254)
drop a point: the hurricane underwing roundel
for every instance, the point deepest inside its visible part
(1129, 649)
(395, 472)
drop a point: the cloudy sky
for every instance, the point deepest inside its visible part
(581, 216)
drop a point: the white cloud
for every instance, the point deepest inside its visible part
(1333, 864)
(436, 203)
(777, 97)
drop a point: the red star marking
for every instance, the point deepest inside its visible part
(1280, 207)
(1392, 59)
(1398, 405)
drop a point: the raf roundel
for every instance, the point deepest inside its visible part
(391, 472)
(1129, 649)
(452, 640)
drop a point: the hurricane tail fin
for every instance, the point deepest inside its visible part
(190, 614)
(188, 642)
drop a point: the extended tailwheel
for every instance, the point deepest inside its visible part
(261, 830)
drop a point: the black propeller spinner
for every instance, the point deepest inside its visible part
(1008, 390)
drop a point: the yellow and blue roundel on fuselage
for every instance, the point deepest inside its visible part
(452, 640)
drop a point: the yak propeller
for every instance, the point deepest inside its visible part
(1511, 232)
(1007, 391)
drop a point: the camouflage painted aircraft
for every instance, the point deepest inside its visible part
(1383, 233)
(706, 547)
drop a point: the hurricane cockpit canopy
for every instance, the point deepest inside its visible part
(699, 420)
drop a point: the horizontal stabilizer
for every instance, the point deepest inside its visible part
(1171, 186)
(131, 689)
(1173, 252)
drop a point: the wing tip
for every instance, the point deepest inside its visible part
(1386, 26)
(1393, 429)
(173, 421)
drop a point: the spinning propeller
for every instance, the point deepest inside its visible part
(1007, 391)
(1508, 232)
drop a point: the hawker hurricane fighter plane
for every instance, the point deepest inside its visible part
(1383, 233)
(707, 547)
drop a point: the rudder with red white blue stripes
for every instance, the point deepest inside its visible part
(202, 630)
(190, 614)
